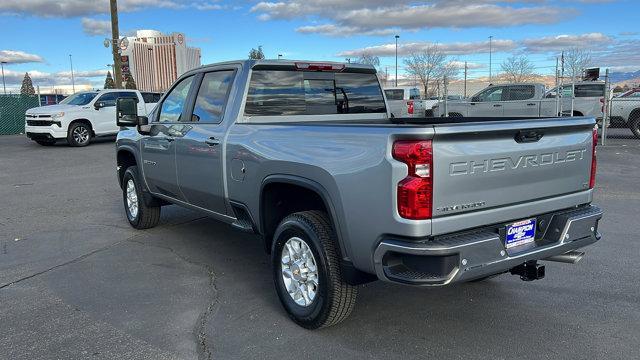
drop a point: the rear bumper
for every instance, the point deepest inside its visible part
(478, 253)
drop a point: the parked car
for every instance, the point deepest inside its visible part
(405, 101)
(529, 100)
(625, 111)
(307, 156)
(82, 116)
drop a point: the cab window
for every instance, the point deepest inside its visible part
(493, 94)
(212, 97)
(173, 105)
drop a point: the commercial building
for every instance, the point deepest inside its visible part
(156, 60)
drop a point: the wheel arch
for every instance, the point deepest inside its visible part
(268, 224)
(85, 121)
(125, 157)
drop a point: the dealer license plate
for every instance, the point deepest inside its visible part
(520, 233)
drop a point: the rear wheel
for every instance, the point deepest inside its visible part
(79, 134)
(140, 215)
(307, 273)
(634, 123)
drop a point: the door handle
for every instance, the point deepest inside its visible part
(531, 104)
(497, 105)
(212, 141)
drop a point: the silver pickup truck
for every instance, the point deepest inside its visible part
(306, 155)
(529, 100)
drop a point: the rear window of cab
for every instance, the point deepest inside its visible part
(286, 92)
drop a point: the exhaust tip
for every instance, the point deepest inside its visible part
(571, 257)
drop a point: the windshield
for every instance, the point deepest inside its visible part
(79, 98)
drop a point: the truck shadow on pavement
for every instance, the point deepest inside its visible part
(247, 320)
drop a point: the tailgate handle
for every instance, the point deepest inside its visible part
(527, 136)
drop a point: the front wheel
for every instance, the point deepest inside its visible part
(140, 215)
(79, 134)
(634, 123)
(307, 273)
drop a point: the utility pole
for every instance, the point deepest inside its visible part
(115, 43)
(73, 81)
(465, 79)
(397, 36)
(386, 75)
(4, 87)
(490, 51)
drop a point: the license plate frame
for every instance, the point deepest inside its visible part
(520, 233)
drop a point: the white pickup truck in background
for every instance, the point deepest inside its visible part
(82, 116)
(405, 101)
(529, 100)
(625, 111)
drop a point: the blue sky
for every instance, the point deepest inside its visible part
(38, 35)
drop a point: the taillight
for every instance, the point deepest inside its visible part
(592, 179)
(410, 107)
(415, 192)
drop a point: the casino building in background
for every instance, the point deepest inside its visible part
(156, 60)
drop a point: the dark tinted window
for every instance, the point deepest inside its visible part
(590, 90)
(173, 104)
(521, 92)
(151, 97)
(108, 99)
(395, 94)
(128, 94)
(212, 97)
(274, 92)
(414, 94)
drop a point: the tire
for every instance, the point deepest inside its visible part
(140, 215)
(46, 142)
(634, 123)
(334, 299)
(79, 134)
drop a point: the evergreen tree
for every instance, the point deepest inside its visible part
(27, 86)
(108, 82)
(256, 54)
(130, 83)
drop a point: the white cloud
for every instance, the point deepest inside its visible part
(358, 17)
(564, 42)
(58, 78)
(95, 27)
(76, 8)
(458, 48)
(19, 57)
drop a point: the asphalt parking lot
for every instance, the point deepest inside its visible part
(77, 282)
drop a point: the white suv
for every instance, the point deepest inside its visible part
(82, 116)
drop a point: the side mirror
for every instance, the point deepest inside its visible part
(475, 99)
(127, 112)
(98, 105)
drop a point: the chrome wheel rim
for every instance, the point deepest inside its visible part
(299, 271)
(132, 199)
(80, 134)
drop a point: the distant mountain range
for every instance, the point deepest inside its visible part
(622, 77)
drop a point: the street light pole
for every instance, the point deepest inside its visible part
(490, 51)
(4, 87)
(73, 81)
(397, 36)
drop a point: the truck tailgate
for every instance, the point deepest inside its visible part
(480, 166)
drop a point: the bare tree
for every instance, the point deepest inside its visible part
(517, 68)
(426, 65)
(575, 61)
(367, 58)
